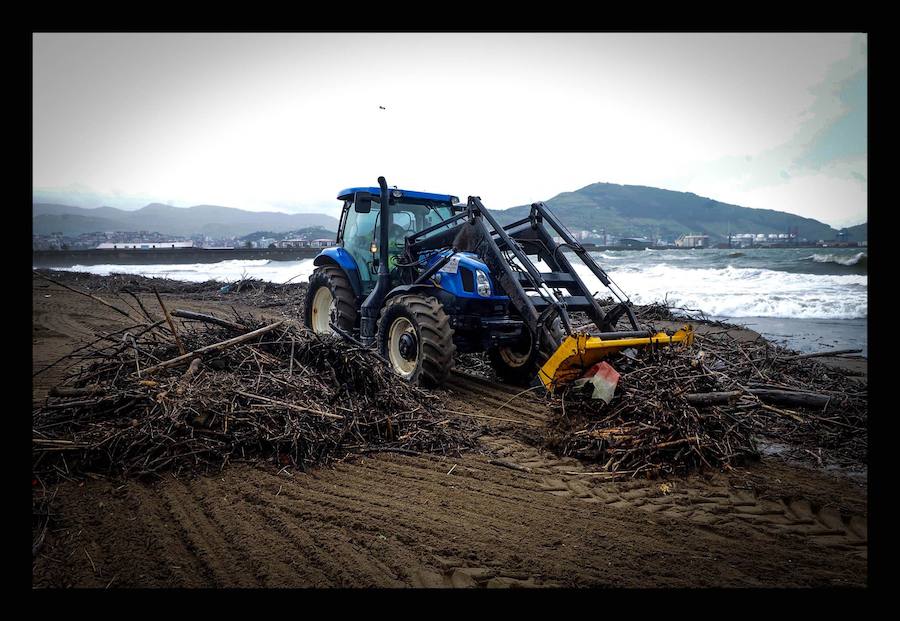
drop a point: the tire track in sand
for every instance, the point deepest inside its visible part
(706, 502)
(205, 539)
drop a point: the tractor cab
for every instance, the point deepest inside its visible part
(359, 229)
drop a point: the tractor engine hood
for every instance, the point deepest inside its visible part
(465, 275)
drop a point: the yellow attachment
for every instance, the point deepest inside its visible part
(579, 352)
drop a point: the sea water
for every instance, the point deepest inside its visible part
(807, 299)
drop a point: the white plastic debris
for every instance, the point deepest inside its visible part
(603, 378)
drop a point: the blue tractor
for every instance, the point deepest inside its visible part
(421, 276)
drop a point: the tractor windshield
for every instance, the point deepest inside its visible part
(361, 232)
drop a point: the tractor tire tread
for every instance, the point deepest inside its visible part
(336, 280)
(435, 333)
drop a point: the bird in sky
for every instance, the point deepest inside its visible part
(382, 108)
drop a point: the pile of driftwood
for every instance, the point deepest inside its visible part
(787, 397)
(679, 409)
(649, 428)
(194, 391)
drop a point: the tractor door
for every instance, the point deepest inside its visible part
(357, 238)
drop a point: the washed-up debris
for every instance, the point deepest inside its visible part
(648, 428)
(250, 291)
(680, 409)
(291, 396)
(272, 390)
(41, 514)
(603, 378)
(477, 364)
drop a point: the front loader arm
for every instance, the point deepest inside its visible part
(484, 245)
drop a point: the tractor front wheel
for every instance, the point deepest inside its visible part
(415, 336)
(515, 364)
(519, 364)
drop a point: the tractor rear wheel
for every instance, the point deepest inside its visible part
(415, 336)
(329, 299)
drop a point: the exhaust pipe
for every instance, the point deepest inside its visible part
(371, 307)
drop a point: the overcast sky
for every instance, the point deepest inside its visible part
(285, 121)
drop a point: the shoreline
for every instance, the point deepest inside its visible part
(803, 334)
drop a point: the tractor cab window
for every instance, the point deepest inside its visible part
(434, 215)
(361, 233)
(409, 218)
(403, 223)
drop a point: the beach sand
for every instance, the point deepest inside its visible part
(396, 520)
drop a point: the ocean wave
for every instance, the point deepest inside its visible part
(722, 292)
(858, 259)
(743, 292)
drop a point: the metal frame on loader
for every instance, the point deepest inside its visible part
(506, 250)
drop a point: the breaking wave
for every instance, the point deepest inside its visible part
(743, 292)
(859, 259)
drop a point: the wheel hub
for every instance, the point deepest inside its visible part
(408, 346)
(517, 355)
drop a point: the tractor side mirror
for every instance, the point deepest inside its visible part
(362, 202)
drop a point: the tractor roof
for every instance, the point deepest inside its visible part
(428, 196)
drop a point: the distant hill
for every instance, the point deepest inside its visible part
(617, 209)
(857, 233)
(644, 211)
(211, 220)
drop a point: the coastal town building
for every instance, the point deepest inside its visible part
(140, 245)
(692, 241)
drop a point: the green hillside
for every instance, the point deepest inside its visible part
(631, 210)
(619, 210)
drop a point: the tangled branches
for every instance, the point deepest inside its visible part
(676, 410)
(283, 393)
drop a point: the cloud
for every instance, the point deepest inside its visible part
(830, 199)
(285, 120)
(829, 148)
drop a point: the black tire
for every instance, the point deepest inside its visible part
(516, 365)
(433, 345)
(519, 364)
(343, 312)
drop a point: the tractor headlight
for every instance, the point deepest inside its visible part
(484, 285)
